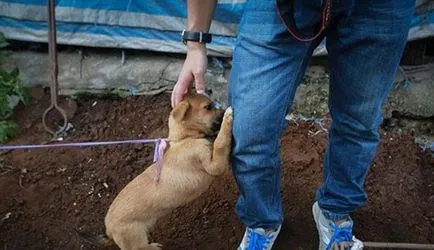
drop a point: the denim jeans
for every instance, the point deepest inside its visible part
(365, 42)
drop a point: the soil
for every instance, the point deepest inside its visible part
(47, 193)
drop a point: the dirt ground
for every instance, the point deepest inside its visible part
(46, 193)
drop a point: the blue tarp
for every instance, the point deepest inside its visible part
(152, 25)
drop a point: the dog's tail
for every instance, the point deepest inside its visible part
(96, 240)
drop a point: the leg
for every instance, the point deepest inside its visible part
(364, 52)
(218, 162)
(268, 64)
(134, 237)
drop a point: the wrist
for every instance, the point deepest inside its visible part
(192, 45)
(196, 28)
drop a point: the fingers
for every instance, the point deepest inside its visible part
(200, 82)
(193, 71)
(184, 84)
(174, 93)
(172, 100)
(181, 88)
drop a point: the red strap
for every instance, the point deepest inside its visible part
(285, 9)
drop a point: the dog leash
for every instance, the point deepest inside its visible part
(285, 9)
(159, 149)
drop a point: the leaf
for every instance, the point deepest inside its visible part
(10, 85)
(24, 95)
(4, 78)
(14, 74)
(8, 129)
(5, 109)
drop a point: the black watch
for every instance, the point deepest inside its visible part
(201, 37)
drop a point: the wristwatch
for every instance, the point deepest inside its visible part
(201, 37)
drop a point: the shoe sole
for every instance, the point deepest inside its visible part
(317, 223)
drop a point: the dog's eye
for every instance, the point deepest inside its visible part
(209, 107)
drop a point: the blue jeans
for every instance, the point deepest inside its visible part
(365, 42)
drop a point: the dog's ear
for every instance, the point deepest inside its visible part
(178, 113)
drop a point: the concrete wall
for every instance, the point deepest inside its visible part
(150, 73)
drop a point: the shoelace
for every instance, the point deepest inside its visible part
(257, 241)
(340, 235)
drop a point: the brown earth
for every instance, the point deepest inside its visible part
(46, 193)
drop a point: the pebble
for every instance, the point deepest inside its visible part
(7, 216)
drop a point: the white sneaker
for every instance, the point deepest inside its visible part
(258, 239)
(330, 234)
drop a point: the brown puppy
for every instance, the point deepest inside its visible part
(190, 164)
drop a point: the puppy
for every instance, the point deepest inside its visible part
(200, 142)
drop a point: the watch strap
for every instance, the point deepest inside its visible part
(201, 37)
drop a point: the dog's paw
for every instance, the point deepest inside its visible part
(229, 111)
(228, 115)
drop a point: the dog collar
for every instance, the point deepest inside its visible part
(160, 147)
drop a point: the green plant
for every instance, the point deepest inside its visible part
(8, 129)
(10, 86)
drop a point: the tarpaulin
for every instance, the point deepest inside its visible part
(151, 25)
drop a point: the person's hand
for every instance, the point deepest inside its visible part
(193, 71)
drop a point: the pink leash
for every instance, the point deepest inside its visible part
(160, 147)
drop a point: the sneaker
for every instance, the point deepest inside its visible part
(331, 234)
(258, 239)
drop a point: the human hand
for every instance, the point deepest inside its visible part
(193, 71)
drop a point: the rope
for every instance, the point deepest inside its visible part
(160, 147)
(76, 144)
